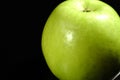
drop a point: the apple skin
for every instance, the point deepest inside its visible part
(81, 41)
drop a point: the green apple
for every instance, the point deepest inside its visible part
(81, 40)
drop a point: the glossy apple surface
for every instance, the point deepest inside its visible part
(81, 41)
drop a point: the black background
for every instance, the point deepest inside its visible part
(25, 22)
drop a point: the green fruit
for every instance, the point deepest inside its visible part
(81, 41)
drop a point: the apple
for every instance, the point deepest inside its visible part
(81, 41)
